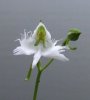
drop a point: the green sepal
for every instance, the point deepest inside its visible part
(29, 73)
(73, 34)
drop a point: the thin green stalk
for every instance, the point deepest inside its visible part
(50, 61)
(29, 73)
(37, 85)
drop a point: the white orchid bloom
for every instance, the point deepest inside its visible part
(40, 44)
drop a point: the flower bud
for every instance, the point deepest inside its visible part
(73, 34)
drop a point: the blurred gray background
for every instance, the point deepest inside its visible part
(62, 80)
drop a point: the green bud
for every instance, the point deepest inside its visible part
(40, 36)
(73, 34)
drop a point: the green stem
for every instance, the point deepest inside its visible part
(29, 73)
(65, 42)
(50, 61)
(37, 85)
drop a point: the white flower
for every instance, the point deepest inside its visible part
(40, 44)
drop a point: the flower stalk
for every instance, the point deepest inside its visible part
(40, 44)
(49, 62)
(29, 73)
(40, 70)
(37, 85)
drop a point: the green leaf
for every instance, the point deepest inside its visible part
(29, 73)
(73, 34)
